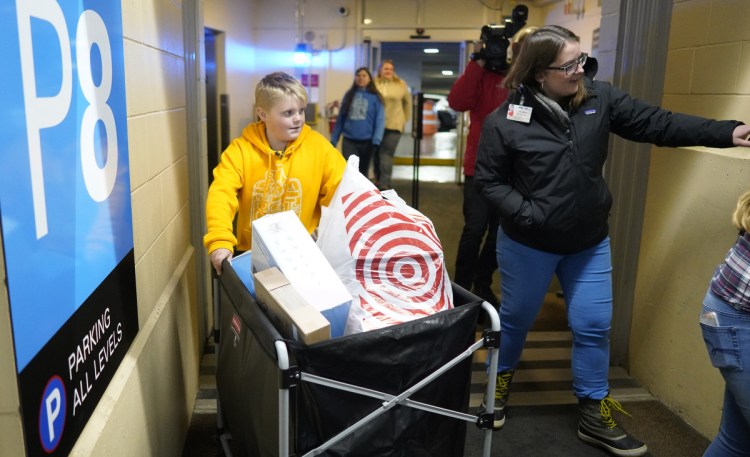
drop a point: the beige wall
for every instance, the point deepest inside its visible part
(582, 23)
(691, 193)
(235, 18)
(11, 431)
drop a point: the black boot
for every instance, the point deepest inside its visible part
(502, 391)
(597, 427)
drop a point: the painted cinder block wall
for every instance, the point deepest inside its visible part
(691, 194)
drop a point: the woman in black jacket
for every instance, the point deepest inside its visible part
(539, 163)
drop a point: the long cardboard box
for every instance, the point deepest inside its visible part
(290, 313)
(281, 240)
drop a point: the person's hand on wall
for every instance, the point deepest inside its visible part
(741, 136)
(218, 256)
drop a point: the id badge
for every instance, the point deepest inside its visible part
(519, 113)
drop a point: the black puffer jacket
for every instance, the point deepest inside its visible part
(545, 176)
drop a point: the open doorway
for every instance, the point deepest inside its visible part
(422, 64)
(431, 68)
(217, 103)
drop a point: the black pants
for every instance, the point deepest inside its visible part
(362, 149)
(476, 260)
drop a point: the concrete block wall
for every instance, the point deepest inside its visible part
(691, 193)
(11, 431)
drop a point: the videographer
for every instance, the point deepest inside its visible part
(479, 91)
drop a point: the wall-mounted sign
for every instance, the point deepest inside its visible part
(65, 210)
(310, 80)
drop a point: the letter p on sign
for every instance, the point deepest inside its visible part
(52, 414)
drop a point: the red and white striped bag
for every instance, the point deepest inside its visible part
(386, 253)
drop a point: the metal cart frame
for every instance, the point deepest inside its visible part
(229, 284)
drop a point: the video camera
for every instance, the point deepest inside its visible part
(496, 40)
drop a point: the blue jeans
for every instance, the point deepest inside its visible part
(729, 349)
(586, 280)
(476, 261)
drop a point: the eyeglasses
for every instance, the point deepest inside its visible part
(573, 66)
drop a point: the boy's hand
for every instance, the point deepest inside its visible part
(218, 256)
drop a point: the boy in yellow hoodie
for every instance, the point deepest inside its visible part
(278, 164)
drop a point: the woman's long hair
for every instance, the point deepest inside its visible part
(538, 51)
(346, 103)
(741, 216)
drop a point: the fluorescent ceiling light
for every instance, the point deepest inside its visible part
(447, 72)
(431, 50)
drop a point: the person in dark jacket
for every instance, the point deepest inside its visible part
(539, 164)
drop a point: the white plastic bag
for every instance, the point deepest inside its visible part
(386, 253)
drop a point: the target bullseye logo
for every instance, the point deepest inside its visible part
(398, 259)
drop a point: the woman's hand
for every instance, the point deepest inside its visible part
(218, 256)
(741, 136)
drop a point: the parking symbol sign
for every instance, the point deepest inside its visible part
(52, 414)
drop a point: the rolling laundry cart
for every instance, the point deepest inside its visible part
(398, 391)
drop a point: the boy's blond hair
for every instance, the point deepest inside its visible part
(523, 33)
(517, 40)
(741, 216)
(277, 86)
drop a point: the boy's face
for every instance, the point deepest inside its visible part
(283, 121)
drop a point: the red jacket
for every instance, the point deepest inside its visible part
(478, 91)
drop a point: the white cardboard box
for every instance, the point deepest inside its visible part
(280, 240)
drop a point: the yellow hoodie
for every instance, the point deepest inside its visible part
(253, 180)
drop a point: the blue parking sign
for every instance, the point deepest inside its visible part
(65, 209)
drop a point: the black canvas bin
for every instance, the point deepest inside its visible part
(279, 397)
